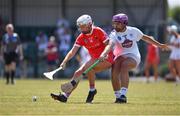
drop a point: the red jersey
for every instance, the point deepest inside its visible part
(152, 53)
(53, 55)
(94, 42)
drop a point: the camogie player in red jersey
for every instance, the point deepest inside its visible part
(152, 59)
(95, 40)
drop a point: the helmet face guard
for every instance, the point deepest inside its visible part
(121, 18)
(84, 24)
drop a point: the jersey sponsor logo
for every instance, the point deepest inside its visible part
(127, 43)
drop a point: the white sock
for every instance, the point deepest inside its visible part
(117, 94)
(177, 78)
(92, 89)
(65, 95)
(123, 91)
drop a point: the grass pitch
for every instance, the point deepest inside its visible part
(151, 99)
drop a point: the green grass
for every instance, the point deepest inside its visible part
(152, 99)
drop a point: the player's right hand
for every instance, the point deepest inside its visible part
(102, 57)
(63, 65)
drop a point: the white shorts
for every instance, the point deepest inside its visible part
(133, 56)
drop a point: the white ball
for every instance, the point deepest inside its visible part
(34, 98)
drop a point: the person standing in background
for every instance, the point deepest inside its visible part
(52, 53)
(152, 59)
(10, 48)
(174, 59)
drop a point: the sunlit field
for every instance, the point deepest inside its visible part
(153, 99)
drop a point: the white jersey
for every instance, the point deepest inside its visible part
(175, 50)
(127, 41)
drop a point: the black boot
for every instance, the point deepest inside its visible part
(121, 99)
(59, 97)
(90, 96)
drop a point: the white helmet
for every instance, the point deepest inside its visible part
(174, 28)
(84, 20)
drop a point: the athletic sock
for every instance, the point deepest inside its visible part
(66, 94)
(177, 79)
(123, 91)
(92, 87)
(117, 94)
(7, 77)
(12, 76)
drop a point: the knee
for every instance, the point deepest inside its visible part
(91, 73)
(124, 66)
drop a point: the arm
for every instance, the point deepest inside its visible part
(70, 54)
(109, 46)
(20, 51)
(150, 39)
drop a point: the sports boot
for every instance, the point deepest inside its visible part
(121, 99)
(59, 97)
(90, 96)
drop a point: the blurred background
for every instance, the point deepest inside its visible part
(37, 20)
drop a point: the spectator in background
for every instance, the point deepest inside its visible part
(62, 26)
(10, 48)
(63, 22)
(63, 36)
(52, 53)
(83, 56)
(65, 42)
(41, 41)
(152, 59)
(174, 59)
(41, 44)
(1, 27)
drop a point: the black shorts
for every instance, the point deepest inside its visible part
(10, 57)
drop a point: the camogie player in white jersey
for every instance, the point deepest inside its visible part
(126, 38)
(174, 62)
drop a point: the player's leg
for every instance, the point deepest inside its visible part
(92, 90)
(155, 69)
(126, 66)
(178, 70)
(13, 69)
(13, 57)
(62, 97)
(7, 67)
(147, 68)
(115, 73)
(91, 77)
(7, 73)
(172, 68)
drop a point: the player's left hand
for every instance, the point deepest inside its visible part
(165, 47)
